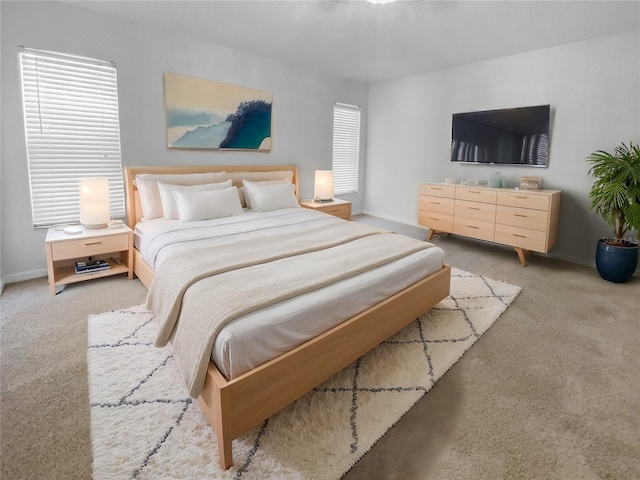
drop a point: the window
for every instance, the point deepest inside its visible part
(72, 130)
(346, 148)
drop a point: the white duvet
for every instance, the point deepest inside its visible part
(258, 337)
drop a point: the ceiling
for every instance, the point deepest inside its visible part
(372, 43)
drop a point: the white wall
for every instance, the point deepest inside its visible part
(594, 91)
(302, 107)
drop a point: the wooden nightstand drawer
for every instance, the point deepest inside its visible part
(341, 211)
(523, 199)
(436, 190)
(436, 221)
(521, 237)
(473, 228)
(476, 194)
(485, 212)
(435, 204)
(338, 208)
(523, 217)
(87, 247)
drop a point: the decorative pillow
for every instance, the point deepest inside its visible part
(238, 177)
(265, 198)
(244, 198)
(147, 184)
(168, 198)
(194, 206)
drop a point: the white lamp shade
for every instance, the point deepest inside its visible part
(323, 187)
(95, 211)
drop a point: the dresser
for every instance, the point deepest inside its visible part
(526, 220)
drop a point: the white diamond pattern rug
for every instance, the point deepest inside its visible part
(144, 424)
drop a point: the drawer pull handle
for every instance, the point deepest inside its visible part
(519, 215)
(472, 226)
(436, 188)
(521, 196)
(473, 208)
(473, 191)
(521, 236)
(436, 219)
(436, 203)
(93, 243)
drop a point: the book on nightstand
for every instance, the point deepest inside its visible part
(91, 267)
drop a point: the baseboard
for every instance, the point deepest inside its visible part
(22, 276)
(393, 219)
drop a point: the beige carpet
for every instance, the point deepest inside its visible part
(549, 392)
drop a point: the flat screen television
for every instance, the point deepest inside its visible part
(511, 136)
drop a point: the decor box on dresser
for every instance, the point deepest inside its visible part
(526, 220)
(115, 245)
(337, 208)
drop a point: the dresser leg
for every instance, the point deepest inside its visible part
(431, 233)
(522, 253)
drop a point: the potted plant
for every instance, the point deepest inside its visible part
(615, 195)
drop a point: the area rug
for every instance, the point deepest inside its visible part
(144, 425)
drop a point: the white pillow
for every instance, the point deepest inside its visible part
(265, 198)
(168, 198)
(244, 198)
(147, 184)
(194, 206)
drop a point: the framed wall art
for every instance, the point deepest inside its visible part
(202, 114)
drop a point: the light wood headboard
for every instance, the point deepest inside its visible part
(134, 209)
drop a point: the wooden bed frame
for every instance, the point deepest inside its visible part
(233, 407)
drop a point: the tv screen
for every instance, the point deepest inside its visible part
(512, 136)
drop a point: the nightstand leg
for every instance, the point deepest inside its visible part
(431, 233)
(51, 271)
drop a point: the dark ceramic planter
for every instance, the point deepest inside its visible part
(616, 263)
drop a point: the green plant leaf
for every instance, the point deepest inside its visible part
(615, 193)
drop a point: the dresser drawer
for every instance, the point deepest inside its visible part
(435, 204)
(523, 199)
(521, 237)
(473, 228)
(436, 190)
(485, 212)
(476, 194)
(436, 221)
(87, 247)
(523, 217)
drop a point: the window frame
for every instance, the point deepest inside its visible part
(347, 125)
(72, 131)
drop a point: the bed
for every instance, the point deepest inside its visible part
(234, 400)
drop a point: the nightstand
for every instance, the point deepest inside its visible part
(115, 245)
(338, 208)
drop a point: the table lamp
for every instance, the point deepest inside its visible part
(95, 210)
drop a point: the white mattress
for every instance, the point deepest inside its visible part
(253, 339)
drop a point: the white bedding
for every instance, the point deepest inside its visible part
(255, 338)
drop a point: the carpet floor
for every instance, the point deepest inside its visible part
(550, 391)
(144, 424)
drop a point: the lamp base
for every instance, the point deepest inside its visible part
(323, 200)
(95, 225)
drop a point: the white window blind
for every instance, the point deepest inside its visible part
(72, 131)
(346, 148)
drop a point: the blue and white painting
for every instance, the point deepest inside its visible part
(202, 114)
